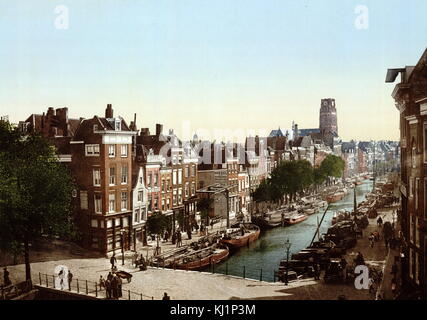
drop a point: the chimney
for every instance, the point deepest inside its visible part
(159, 129)
(145, 132)
(109, 111)
(296, 133)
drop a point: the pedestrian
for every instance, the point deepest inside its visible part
(166, 297)
(189, 234)
(379, 222)
(61, 278)
(174, 238)
(360, 260)
(6, 279)
(114, 286)
(135, 259)
(70, 278)
(110, 276)
(108, 288)
(179, 239)
(113, 261)
(316, 268)
(101, 282)
(386, 242)
(371, 240)
(119, 287)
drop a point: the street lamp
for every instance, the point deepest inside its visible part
(288, 247)
(122, 232)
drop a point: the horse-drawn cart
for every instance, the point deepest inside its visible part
(124, 275)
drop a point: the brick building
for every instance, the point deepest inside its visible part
(411, 101)
(101, 166)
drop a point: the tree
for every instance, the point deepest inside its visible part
(157, 223)
(35, 193)
(332, 166)
(204, 205)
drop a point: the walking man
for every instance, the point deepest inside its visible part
(166, 297)
(69, 278)
(113, 261)
(6, 279)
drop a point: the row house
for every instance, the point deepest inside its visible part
(98, 152)
(177, 172)
(349, 155)
(410, 97)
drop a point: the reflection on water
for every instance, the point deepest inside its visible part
(267, 252)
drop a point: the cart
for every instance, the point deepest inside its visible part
(124, 275)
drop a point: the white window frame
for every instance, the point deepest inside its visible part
(96, 177)
(111, 203)
(92, 150)
(125, 176)
(123, 199)
(124, 150)
(140, 195)
(111, 150)
(112, 177)
(97, 202)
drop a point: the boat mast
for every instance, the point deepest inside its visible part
(318, 227)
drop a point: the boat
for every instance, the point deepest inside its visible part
(296, 218)
(265, 223)
(337, 196)
(240, 236)
(202, 258)
(309, 211)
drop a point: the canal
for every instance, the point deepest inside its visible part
(267, 252)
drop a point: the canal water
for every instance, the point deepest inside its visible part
(267, 252)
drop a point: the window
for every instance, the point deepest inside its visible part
(193, 171)
(118, 124)
(83, 200)
(92, 150)
(187, 189)
(193, 188)
(149, 180)
(124, 150)
(175, 177)
(124, 174)
(124, 200)
(140, 195)
(156, 178)
(136, 219)
(179, 176)
(109, 223)
(96, 177)
(112, 150)
(112, 176)
(411, 187)
(94, 223)
(112, 202)
(98, 203)
(187, 171)
(95, 127)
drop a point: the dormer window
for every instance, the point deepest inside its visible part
(95, 127)
(118, 125)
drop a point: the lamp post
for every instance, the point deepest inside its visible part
(122, 233)
(287, 247)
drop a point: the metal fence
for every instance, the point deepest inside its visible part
(86, 287)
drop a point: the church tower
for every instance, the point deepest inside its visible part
(328, 117)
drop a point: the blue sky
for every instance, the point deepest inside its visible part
(236, 65)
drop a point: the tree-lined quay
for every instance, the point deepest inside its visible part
(115, 190)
